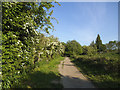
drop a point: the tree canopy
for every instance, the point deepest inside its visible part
(73, 48)
(100, 46)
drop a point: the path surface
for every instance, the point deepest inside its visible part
(71, 77)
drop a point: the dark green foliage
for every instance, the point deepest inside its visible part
(89, 50)
(112, 46)
(103, 47)
(73, 48)
(103, 69)
(22, 45)
(98, 43)
(118, 45)
(100, 63)
(100, 46)
(92, 44)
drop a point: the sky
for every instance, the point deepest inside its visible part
(83, 21)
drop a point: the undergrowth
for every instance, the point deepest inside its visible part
(103, 69)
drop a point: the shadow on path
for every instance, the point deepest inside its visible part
(71, 77)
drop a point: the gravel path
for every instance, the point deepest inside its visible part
(71, 77)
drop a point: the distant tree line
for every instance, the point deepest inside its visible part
(74, 48)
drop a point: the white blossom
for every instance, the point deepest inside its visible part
(18, 42)
(27, 23)
(26, 16)
(19, 55)
(14, 35)
(52, 47)
(23, 64)
(24, 27)
(10, 19)
(47, 51)
(18, 72)
(35, 32)
(27, 30)
(41, 52)
(22, 44)
(32, 41)
(32, 27)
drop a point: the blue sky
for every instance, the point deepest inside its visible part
(82, 21)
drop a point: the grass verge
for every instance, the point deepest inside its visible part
(101, 71)
(46, 75)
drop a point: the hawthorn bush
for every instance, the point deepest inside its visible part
(22, 45)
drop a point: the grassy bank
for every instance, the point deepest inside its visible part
(102, 69)
(43, 75)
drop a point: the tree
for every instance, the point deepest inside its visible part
(100, 46)
(103, 47)
(92, 43)
(89, 50)
(85, 50)
(73, 48)
(98, 43)
(118, 45)
(111, 46)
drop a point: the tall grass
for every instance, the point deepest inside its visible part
(102, 69)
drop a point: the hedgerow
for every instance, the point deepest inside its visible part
(22, 46)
